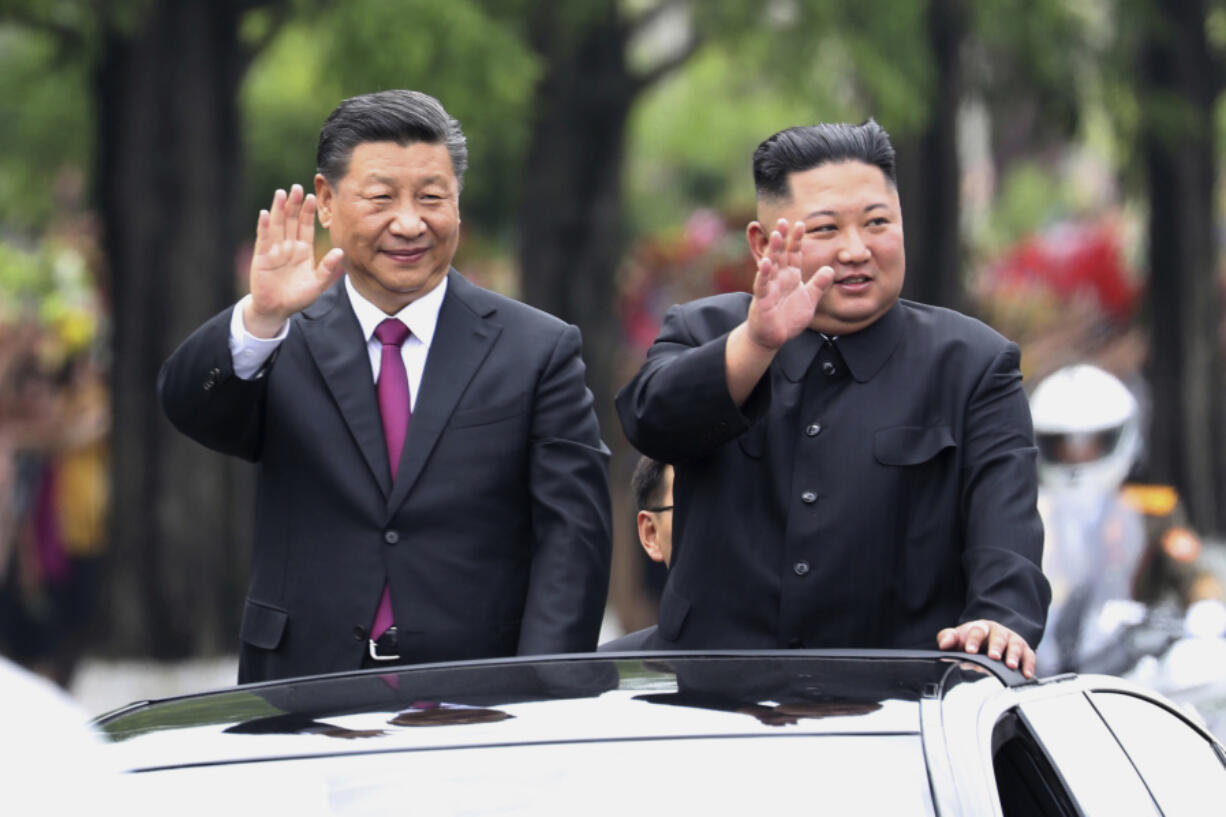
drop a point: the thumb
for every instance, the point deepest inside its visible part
(330, 266)
(821, 282)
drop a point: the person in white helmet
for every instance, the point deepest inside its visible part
(1110, 548)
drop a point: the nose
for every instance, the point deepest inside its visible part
(853, 249)
(408, 222)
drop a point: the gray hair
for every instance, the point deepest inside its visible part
(399, 116)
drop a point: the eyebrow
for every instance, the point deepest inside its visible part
(832, 213)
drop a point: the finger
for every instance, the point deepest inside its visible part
(796, 235)
(293, 208)
(998, 642)
(1015, 651)
(276, 220)
(974, 634)
(776, 248)
(947, 639)
(306, 221)
(330, 267)
(764, 278)
(1028, 662)
(262, 241)
(821, 282)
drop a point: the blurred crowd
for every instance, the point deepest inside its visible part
(54, 424)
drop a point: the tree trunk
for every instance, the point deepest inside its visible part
(570, 213)
(571, 226)
(167, 187)
(1185, 372)
(929, 173)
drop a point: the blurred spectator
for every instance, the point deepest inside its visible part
(54, 423)
(1111, 549)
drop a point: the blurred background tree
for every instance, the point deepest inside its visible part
(610, 177)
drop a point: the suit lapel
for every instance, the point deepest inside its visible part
(335, 341)
(462, 339)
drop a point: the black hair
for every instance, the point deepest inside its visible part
(647, 483)
(805, 147)
(400, 116)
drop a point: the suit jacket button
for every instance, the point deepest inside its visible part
(391, 537)
(808, 497)
(829, 369)
(814, 429)
(211, 380)
(359, 633)
(801, 567)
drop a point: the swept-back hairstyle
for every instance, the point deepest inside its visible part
(399, 116)
(805, 147)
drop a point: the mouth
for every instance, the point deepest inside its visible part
(406, 255)
(854, 281)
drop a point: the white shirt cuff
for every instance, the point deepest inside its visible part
(249, 353)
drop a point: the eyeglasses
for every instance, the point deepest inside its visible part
(660, 509)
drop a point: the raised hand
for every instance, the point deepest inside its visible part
(284, 276)
(783, 302)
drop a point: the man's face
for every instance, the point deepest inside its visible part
(853, 223)
(396, 214)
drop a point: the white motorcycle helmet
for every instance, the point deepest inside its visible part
(1087, 427)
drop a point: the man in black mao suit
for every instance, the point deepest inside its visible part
(852, 469)
(494, 536)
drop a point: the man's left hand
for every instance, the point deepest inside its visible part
(1001, 643)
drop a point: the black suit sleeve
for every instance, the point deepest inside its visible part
(678, 407)
(1004, 535)
(204, 399)
(571, 517)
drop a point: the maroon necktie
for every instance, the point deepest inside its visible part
(394, 408)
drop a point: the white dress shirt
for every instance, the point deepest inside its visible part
(249, 353)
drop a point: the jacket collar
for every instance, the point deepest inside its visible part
(864, 352)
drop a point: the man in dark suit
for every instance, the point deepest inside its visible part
(431, 486)
(651, 485)
(852, 469)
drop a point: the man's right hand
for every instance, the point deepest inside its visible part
(783, 301)
(783, 306)
(284, 276)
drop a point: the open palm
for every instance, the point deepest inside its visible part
(284, 276)
(783, 302)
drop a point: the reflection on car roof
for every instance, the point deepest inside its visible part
(539, 701)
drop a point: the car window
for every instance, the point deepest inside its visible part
(1086, 756)
(1026, 783)
(1179, 764)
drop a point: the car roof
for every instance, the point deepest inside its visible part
(547, 700)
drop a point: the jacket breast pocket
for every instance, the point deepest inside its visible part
(911, 445)
(485, 415)
(920, 485)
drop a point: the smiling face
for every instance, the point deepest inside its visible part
(853, 223)
(396, 214)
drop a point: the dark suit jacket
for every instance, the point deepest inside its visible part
(867, 494)
(495, 536)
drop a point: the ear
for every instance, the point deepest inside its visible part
(649, 536)
(758, 237)
(324, 196)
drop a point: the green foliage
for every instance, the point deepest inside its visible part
(45, 125)
(475, 66)
(692, 137)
